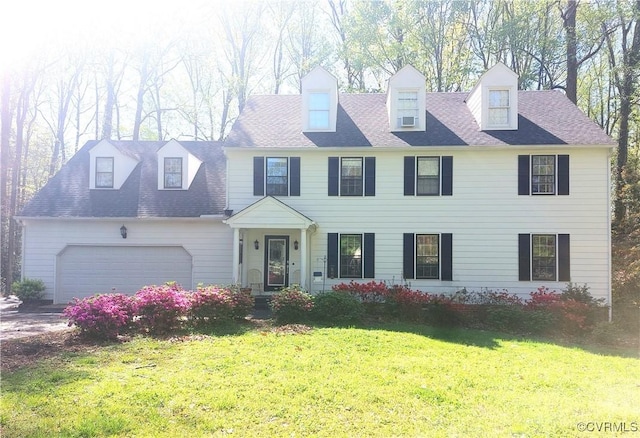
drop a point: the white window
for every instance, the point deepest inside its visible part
(319, 111)
(104, 172)
(407, 109)
(498, 107)
(173, 173)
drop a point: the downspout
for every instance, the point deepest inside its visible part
(608, 212)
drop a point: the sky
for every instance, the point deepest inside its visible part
(31, 26)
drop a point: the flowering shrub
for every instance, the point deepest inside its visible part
(409, 304)
(210, 304)
(160, 308)
(573, 311)
(243, 302)
(371, 292)
(101, 316)
(336, 307)
(291, 304)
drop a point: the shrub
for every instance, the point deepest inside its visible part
(336, 307)
(441, 311)
(28, 289)
(371, 292)
(291, 304)
(243, 302)
(101, 316)
(210, 304)
(407, 303)
(160, 309)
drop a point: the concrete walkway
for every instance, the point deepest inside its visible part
(14, 324)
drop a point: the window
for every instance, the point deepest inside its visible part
(428, 176)
(428, 256)
(544, 257)
(498, 107)
(407, 109)
(173, 173)
(280, 175)
(104, 172)
(319, 111)
(277, 177)
(350, 255)
(352, 176)
(543, 174)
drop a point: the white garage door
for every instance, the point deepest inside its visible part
(86, 270)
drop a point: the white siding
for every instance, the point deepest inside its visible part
(485, 213)
(208, 242)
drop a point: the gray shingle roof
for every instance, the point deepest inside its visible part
(545, 117)
(67, 194)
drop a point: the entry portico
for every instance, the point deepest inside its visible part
(270, 246)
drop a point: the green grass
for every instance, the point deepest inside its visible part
(389, 380)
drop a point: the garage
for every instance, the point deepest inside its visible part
(83, 271)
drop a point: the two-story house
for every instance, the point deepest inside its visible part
(493, 188)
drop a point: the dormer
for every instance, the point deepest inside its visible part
(406, 105)
(494, 100)
(319, 101)
(109, 166)
(177, 167)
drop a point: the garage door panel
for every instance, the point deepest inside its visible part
(87, 270)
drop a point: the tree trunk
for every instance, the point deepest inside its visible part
(5, 138)
(569, 24)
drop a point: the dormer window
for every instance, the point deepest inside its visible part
(104, 172)
(499, 107)
(173, 173)
(319, 110)
(407, 109)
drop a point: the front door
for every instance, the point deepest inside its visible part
(276, 261)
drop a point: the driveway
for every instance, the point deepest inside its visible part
(14, 324)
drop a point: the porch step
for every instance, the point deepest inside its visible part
(262, 302)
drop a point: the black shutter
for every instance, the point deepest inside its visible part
(447, 176)
(332, 256)
(294, 177)
(370, 176)
(258, 176)
(563, 174)
(446, 256)
(524, 257)
(523, 175)
(408, 251)
(334, 175)
(369, 255)
(564, 259)
(409, 176)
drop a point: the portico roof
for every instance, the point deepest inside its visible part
(270, 212)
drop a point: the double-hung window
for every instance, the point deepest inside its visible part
(543, 174)
(319, 110)
(428, 256)
(428, 176)
(352, 176)
(104, 172)
(498, 107)
(276, 176)
(544, 257)
(407, 109)
(173, 173)
(350, 255)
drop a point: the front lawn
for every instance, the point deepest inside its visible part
(387, 380)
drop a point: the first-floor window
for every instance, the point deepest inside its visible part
(427, 256)
(173, 173)
(544, 257)
(351, 256)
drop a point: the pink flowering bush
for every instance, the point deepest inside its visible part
(291, 304)
(371, 292)
(101, 316)
(243, 302)
(210, 304)
(160, 309)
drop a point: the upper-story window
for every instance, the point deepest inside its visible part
(104, 172)
(173, 173)
(498, 107)
(543, 174)
(407, 109)
(428, 176)
(277, 177)
(352, 176)
(319, 110)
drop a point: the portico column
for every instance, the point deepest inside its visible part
(236, 255)
(303, 258)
